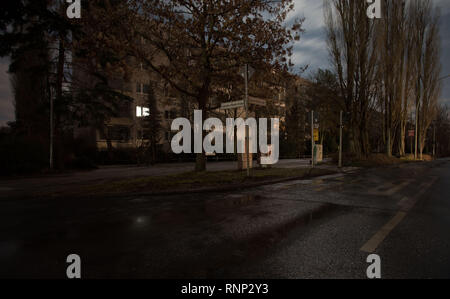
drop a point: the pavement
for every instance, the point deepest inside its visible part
(26, 186)
(319, 228)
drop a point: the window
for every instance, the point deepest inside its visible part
(166, 90)
(142, 111)
(116, 84)
(143, 134)
(142, 88)
(125, 110)
(119, 133)
(145, 88)
(170, 114)
(127, 87)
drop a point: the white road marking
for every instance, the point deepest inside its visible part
(338, 183)
(389, 192)
(406, 205)
(379, 237)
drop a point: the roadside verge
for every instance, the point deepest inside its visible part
(192, 182)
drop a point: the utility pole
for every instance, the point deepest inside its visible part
(247, 131)
(51, 129)
(417, 131)
(341, 125)
(411, 138)
(313, 143)
(434, 139)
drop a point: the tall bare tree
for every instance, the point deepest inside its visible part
(390, 31)
(408, 78)
(427, 67)
(353, 51)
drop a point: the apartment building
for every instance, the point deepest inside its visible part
(126, 131)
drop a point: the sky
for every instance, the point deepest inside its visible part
(311, 50)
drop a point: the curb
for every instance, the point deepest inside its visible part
(226, 188)
(220, 189)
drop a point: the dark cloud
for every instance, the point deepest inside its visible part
(312, 49)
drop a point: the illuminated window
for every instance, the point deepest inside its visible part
(142, 111)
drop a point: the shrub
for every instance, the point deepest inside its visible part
(22, 155)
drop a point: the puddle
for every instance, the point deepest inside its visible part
(141, 221)
(194, 212)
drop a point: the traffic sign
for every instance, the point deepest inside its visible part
(232, 105)
(316, 134)
(411, 133)
(251, 71)
(257, 101)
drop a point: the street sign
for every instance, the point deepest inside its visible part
(232, 105)
(251, 72)
(316, 126)
(257, 101)
(316, 134)
(316, 118)
(411, 133)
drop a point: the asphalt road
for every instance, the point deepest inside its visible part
(320, 228)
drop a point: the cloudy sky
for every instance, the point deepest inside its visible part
(311, 50)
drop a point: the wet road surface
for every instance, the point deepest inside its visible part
(320, 228)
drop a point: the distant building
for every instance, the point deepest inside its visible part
(126, 130)
(267, 98)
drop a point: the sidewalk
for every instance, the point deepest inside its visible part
(55, 183)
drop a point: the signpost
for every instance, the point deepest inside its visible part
(232, 105)
(247, 72)
(316, 134)
(239, 104)
(257, 101)
(313, 143)
(341, 126)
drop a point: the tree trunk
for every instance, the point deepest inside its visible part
(401, 143)
(58, 143)
(200, 160)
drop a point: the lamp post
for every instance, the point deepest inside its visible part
(313, 142)
(341, 126)
(247, 131)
